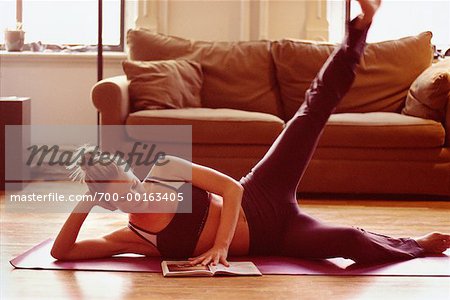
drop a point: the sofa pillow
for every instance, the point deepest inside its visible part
(429, 93)
(383, 78)
(237, 75)
(163, 84)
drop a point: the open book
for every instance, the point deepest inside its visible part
(184, 268)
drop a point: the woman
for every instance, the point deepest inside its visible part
(258, 215)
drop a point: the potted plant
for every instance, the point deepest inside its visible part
(14, 39)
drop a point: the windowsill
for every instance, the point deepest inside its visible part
(29, 56)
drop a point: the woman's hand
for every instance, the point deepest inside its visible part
(214, 256)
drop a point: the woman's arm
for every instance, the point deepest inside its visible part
(176, 168)
(65, 246)
(231, 192)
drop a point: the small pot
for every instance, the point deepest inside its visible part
(14, 40)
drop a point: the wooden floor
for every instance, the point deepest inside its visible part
(20, 231)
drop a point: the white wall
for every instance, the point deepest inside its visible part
(230, 20)
(210, 20)
(59, 85)
(287, 19)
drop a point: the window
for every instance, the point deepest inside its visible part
(399, 18)
(7, 17)
(66, 22)
(336, 20)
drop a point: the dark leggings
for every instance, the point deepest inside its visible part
(276, 224)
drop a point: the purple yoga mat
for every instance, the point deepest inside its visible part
(39, 257)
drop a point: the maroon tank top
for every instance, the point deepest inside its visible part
(179, 238)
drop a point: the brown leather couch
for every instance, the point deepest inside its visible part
(250, 89)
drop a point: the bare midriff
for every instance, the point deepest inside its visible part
(239, 244)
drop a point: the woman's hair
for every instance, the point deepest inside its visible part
(93, 167)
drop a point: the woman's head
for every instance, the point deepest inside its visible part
(103, 174)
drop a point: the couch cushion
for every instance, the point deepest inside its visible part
(213, 126)
(381, 130)
(237, 75)
(384, 75)
(429, 94)
(163, 84)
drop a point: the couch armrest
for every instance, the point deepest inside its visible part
(110, 97)
(447, 123)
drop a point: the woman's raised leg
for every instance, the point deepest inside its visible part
(281, 169)
(270, 188)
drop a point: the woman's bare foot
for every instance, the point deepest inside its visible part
(434, 242)
(369, 8)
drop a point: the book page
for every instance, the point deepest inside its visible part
(236, 268)
(184, 268)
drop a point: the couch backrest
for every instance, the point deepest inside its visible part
(239, 75)
(383, 78)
